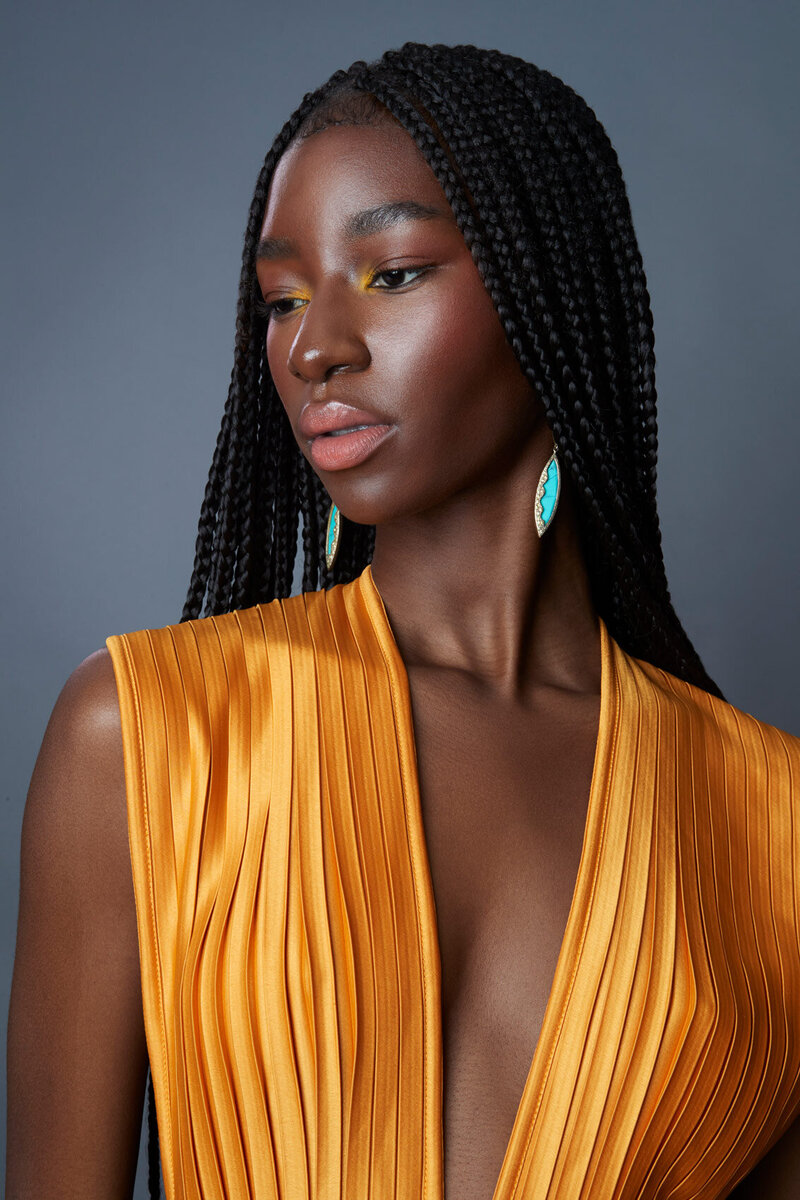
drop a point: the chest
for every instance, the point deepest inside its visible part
(304, 1041)
(504, 789)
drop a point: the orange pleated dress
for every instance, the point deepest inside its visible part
(288, 940)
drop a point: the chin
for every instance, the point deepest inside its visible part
(371, 499)
(378, 497)
(365, 511)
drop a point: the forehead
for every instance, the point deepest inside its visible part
(346, 168)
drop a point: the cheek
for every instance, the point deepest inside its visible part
(455, 364)
(291, 389)
(277, 347)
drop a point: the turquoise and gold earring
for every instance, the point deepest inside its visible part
(332, 536)
(547, 493)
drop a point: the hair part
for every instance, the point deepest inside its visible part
(345, 106)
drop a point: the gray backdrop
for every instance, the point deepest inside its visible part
(133, 137)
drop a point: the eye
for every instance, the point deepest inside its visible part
(274, 308)
(395, 279)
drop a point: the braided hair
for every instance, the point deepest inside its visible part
(537, 191)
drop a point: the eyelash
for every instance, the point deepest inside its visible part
(267, 309)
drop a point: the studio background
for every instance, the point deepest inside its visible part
(133, 138)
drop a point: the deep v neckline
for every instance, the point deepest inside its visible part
(530, 1110)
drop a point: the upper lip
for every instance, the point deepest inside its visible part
(316, 419)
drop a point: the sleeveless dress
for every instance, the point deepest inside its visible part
(288, 940)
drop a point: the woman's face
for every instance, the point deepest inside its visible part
(379, 317)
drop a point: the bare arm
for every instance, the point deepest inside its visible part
(77, 1057)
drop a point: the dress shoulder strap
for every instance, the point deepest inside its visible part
(196, 706)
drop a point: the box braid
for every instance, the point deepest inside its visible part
(536, 188)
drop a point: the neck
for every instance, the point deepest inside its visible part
(469, 585)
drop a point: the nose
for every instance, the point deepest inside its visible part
(328, 339)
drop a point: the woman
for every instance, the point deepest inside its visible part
(454, 872)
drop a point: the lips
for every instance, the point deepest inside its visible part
(343, 449)
(341, 436)
(319, 420)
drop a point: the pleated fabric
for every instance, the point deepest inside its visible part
(288, 941)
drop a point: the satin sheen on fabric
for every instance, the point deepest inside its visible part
(288, 941)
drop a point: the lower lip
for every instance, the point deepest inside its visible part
(347, 449)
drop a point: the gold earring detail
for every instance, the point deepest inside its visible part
(332, 536)
(547, 493)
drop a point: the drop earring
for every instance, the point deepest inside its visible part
(547, 493)
(332, 536)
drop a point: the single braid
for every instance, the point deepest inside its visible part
(202, 558)
(310, 519)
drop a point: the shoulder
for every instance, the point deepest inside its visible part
(87, 702)
(212, 647)
(204, 631)
(179, 685)
(751, 751)
(83, 733)
(74, 826)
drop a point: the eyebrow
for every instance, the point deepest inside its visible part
(360, 224)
